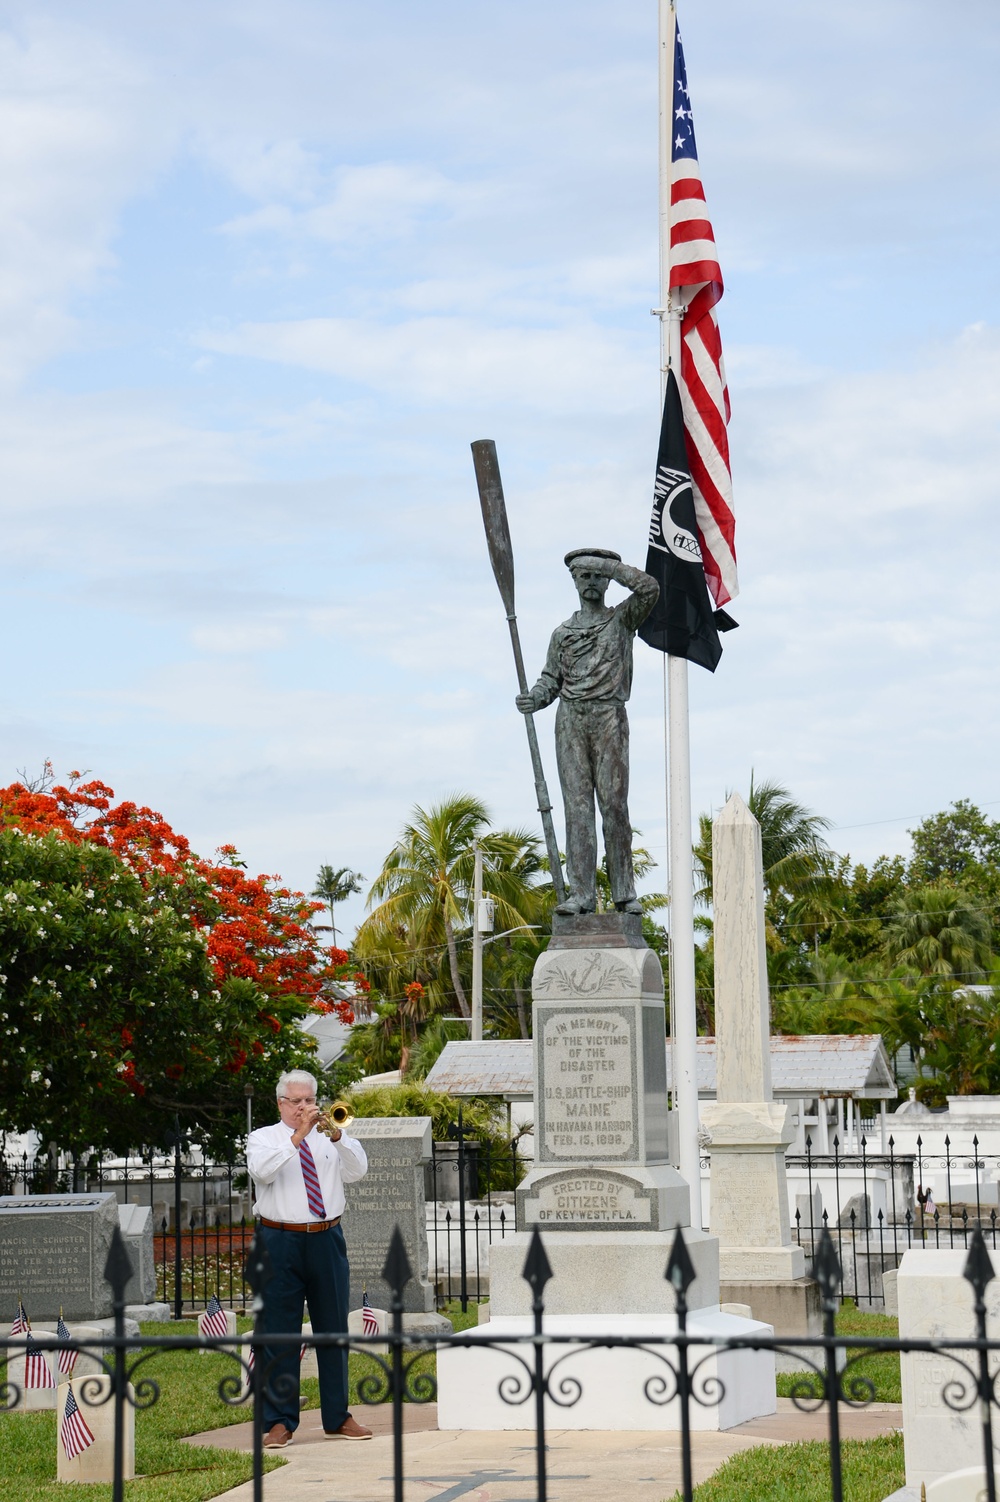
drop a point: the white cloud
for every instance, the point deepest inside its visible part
(383, 201)
(75, 143)
(455, 360)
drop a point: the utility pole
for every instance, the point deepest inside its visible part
(476, 1032)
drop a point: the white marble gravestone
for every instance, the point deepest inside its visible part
(96, 1463)
(31, 1399)
(936, 1301)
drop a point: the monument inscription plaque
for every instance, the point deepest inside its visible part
(588, 1104)
(580, 1198)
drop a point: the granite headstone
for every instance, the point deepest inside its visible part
(53, 1248)
(391, 1194)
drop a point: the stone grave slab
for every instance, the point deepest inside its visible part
(53, 1248)
(390, 1194)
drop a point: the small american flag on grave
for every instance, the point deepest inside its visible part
(369, 1319)
(213, 1319)
(37, 1372)
(74, 1433)
(67, 1359)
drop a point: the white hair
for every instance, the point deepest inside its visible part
(295, 1077)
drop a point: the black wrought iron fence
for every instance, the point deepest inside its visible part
(686, 1362)
(882, 1204)
(203, 1222)
(874, 1205)
(470, 1186)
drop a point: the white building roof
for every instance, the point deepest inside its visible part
(803, 1067)
(815, 1064)
(495, 1067)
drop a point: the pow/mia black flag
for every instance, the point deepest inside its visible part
(683, 622)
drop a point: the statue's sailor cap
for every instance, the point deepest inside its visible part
(590, 553)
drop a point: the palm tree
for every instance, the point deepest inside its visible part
(424, 889)
(336, 886)
(939, 930)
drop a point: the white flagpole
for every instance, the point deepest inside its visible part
(684, 1023)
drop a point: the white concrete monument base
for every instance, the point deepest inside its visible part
(603, 1272)
(613, 1381)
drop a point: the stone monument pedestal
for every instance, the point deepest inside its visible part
(749, 1191)
(606, 1200)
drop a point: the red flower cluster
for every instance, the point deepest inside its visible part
(256, 930)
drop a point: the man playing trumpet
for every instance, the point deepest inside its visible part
(299, 1167)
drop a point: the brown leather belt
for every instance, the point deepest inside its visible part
(307, 1226)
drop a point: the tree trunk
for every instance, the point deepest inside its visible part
(449, 932)
(522, 1016)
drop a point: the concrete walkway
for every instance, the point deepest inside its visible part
(583, 1465)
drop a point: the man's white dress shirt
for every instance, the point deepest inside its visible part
(273, 1161)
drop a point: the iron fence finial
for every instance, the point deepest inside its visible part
(978, 1269)
(397, 1271)
(826, 1267)
(257, 1271)
(537, 1269)
(680, 1271)
(118, 1268)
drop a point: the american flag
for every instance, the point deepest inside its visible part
(213, 1320)
(369, 1319)
(21, 1321)
(696, 284)
(67, 1359)
(37, 1372)
(74, 1435)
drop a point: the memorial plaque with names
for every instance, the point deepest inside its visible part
(588, 1106)
(390, 1194)
(53, 1248)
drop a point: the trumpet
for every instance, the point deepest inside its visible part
(336, 1117)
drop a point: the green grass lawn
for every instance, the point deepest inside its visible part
(169, 1470)
(189, 1403)
(881, 1368)
(872, 1468)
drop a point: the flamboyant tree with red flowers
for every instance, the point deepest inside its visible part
(138, 980)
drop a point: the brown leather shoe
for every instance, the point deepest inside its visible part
(349, 1429)
(277, 1437)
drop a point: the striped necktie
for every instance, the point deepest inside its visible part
(313, 1192)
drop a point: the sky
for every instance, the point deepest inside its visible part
(266, 271)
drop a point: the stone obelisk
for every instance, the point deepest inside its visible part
(748, 1130)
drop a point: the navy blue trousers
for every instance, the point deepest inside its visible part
(305, 1269)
